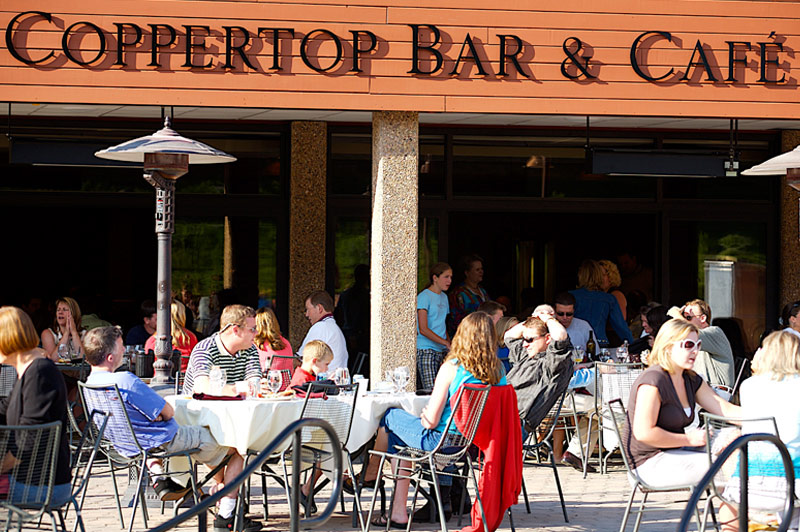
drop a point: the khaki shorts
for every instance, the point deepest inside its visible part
(189, 437)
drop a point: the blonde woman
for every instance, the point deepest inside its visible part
(183, 339)
(66, 330)
(772, 391)
(662, 404)
(611, 284)
(503, 325)
(270, 342)
(594, 305)
(472, 360)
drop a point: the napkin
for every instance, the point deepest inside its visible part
(209, 397)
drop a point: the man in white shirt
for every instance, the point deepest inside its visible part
(319, 311)
(579, 331)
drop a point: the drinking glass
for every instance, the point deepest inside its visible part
(218, 379)
(388, 376)
(274, 380)
(577, 355)
(400, 377)
(622, 354)
(341, 377)
(63, 353)
(605, 355)
(253, 387)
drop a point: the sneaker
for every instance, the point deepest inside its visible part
(169, 490)
(223, 524)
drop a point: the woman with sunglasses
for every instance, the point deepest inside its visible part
(662, 405)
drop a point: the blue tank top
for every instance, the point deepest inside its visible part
(462, 377)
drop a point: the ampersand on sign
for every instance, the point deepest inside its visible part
(581, 62)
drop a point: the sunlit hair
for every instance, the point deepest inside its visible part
(317, 350)
(17, 333)
(235, 315)
(269, 330)
(670, 334)
(537, 325)
(778, 357)
(99, 343)
(614, 278)
(702, 306)
(590, 275)
(475, 347)
(177, 315)
(503, 325)
(74, 309)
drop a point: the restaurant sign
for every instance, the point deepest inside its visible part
(88, 44)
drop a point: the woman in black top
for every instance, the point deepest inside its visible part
(39, 395)
(662, 407)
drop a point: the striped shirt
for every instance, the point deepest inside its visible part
(210, 352)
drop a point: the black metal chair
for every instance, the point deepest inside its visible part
(451, 450)
(119, 432)
(8, 376)
(542, 438)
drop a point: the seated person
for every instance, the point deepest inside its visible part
(270, 342)
(183, 339)
(38, 397)
(316, 357)
(472, 360)
(662, 404)
(156, 429)
(541, 364)
(231, 348)
(773, 391)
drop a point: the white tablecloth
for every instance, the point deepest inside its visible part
(253, 424)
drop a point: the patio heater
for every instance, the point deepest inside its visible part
(166, 156)
(787, 164)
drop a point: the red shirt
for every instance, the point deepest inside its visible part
(300, 376)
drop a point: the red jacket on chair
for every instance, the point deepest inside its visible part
(499, 436)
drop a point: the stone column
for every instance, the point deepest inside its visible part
(790, 229)
(395, 154)
(306, 221)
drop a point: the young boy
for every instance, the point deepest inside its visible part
(316, 357)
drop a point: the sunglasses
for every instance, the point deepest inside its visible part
(689, 344)
(565, 313)
(530, 339)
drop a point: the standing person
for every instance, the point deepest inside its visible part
(772, 391)
(790, 318)
(270, 342)
(38, 396)
(594, 305)
(183, 339)
(139, 334)
(65, 331)
(469, 295)
(319, 309)
(432, 310)
(662, 404)
(611, 284)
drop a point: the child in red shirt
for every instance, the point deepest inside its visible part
(316, 357)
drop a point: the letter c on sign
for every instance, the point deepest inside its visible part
(10, 37)
(635, 63)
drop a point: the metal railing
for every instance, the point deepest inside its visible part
(293, 430)
(740, 444)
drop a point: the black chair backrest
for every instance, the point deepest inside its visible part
(31, 477)
(119, 431)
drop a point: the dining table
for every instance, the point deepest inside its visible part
(253, 423)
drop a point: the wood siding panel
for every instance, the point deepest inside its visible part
(607, 28)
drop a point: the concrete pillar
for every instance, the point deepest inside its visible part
(395, 154)
(790, 229)
(306, 221)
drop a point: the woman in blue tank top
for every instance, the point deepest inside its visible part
(472, 360)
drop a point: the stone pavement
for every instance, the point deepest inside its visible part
(594, 504)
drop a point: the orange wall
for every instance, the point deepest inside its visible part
(606, 27)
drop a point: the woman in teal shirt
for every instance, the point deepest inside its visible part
(432, 309)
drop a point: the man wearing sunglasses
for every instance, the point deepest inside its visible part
(231, 349)
(579, 330)
(714, 361)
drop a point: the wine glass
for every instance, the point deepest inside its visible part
(400, 377)
(274, 381)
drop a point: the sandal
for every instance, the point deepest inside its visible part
(380, 522)
(347, 485)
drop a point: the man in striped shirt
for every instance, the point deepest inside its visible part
(231, 349)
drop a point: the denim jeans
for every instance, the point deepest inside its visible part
(406, 430)
(35, 494)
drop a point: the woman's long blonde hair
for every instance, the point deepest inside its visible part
(590, 275)
(269, 330)
(475, 347)
(503, 325)
(672, 332)
(177, 316)
(778, 357)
